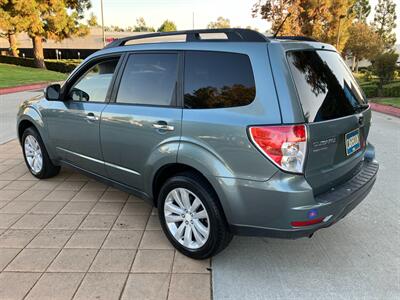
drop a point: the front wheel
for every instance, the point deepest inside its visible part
(191, 218)
(36, 157)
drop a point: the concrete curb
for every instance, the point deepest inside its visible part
(386, 109)
(22, 88)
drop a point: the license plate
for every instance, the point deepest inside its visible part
(352, 141)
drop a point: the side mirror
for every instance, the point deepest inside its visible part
(53, 92)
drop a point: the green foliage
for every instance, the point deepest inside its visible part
(371, 89)
(385, 22)
(220, 23)
(367, 75)
(65, 66)
(326, 21)
(384, 66)
(167, 26)
(361, 9)
(55, 19)
(141, 26)
(92, 22)
(364, 43)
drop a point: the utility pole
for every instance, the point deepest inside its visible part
(193, 20)
(102, 23)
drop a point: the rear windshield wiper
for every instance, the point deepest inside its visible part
(361, 106)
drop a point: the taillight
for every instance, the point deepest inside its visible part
(284, 145)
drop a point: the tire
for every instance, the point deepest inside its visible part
(31, 140)
(207, 232)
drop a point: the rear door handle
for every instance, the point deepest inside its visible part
(162, 125)
(91, 117)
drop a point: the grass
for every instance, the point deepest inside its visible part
(395, 101)
(12, 75)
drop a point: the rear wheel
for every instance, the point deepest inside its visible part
(191, 218)
(36, 157)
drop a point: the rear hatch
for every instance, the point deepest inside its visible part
(336, 113)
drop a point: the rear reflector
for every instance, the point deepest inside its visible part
(284, 145)
(306, 223)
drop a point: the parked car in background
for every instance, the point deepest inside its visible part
(228, 132)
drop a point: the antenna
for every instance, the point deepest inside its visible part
(280, 26)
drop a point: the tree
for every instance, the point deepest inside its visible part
(12, 21)
(220, 23)
(365, 43)
(92, 22)
(384, 66)
(361, 10)
(141, 26)
(56, 20)
(327, 21)
(385, 22)
(167, 26)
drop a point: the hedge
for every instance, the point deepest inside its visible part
(58, 66)
(389, 90)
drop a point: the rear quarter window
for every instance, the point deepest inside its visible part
(217, 80)
(326, 87)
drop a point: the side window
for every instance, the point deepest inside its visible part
(149, 78)
(218, 79)
(94, 84)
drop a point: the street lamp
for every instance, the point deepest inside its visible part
(102, 23)
(338, 31)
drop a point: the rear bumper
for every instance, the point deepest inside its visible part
(293, 200)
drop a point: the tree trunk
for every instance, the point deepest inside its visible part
(357, 61)
(38, 52)
(353, 64)
(12, 39)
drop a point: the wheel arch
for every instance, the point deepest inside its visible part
(170, 170)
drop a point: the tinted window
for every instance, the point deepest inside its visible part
(218, 79)
(149, 79)
(326, 88)
(94, 84)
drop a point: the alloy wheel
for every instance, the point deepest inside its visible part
(33, 154)
(186, 218)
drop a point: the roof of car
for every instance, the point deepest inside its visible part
(226, 39)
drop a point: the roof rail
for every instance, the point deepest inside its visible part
(232, 34)
(296, 38)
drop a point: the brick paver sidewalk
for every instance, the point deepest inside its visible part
(72, 237)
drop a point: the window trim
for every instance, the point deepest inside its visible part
(216, 51)
(82, 69)
(179, 87)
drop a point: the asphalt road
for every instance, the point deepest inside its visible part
(8, 111)
(357, 258)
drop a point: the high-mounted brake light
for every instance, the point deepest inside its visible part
(284, 145)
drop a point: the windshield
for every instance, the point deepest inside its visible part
(326, 87)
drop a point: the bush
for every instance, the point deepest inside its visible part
(370, 91)
(58, 66)
(384, 66)
(391, 90)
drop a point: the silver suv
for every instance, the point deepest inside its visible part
(226, 132)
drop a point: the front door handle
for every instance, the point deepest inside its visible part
(162, 125)
(91, 117)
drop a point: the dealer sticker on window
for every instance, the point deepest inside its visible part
(352, 141)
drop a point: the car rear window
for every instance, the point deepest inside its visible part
(326, 87)
(218, 79)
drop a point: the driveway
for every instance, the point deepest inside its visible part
(358, 258)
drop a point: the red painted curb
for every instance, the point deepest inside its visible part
(386, 109)
(22, 88)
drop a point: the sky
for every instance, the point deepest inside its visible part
(123, 13)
